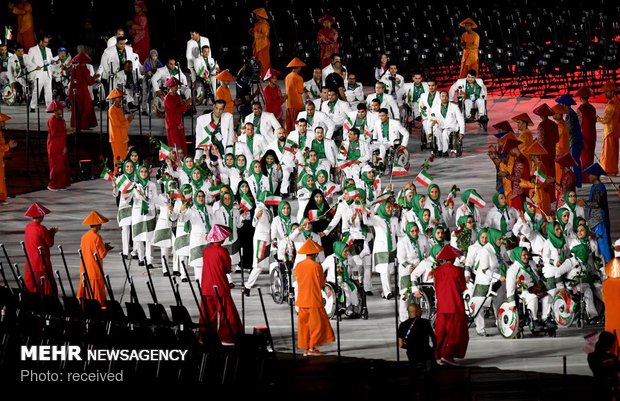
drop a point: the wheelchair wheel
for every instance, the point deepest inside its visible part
(563, 308)
(508, 322)
(361, 294)
(278, 285)
(329, 299)
(427, 304)
(484, 122)
(402, 158)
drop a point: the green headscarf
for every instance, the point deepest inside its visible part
(196, 183)
(387, 217)
(557, 242)
(229, 211)
(502, 209)
(304, 182)
(539, 229)
(414, 241)
(339, 247)
(143, 181)
(435, 249)
(581, 252)
(366, 179)
(203, 209)
(241, 170)
(404, 203)
(482, 231)
(530, 214)
(443, 241)
(493, 235)
(424, 224)
(515, 256)
(586, 239)
(570, 205)
(131, 176)
(323, 173)
(496, 202)
(257, 176)
(436, 209)
(415, 203)
(285, 219)
(558, 216)
(186, 169)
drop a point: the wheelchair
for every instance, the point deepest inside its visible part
(455, 145)
(511, 324)
(330, 292)
(204, 92)
(475, 118)
(279, 283)
(393, 155)
(570, 307)
(427, 301)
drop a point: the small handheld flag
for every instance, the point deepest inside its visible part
(164, 151)
(476, 200)
(106, 174)
(424, 178)
(399, 171)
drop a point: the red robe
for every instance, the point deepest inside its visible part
(274, 101)
(60, 173)
(224, 318)
(451, 324)
(37, 235)
(328, 40)
(141, 37)
(82, 104)
(548, 132)
(175, 107)
(520, 171)
(587, 120)
(568, 183)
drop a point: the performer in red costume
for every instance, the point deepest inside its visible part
(60, 173)
(175, 107)
(81, 102)
(215, 267)
(37, 235)
(548, 136)
(587, 119)
(327, 38)
(451, 324)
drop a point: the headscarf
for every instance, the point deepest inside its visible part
(515, 256)
(558, 216)
(557, 242)
(415, 206)
(339, 247)
(409, 205)
(257, 176)
(241, 170)
(323, 173)
(538, 227)
(186, 169)
(482, 231)
(424, 224)
(143, 181)
(586, 239)
(387, 217)
(414, 241)
(493, 235)
(198, 206)
(229, 211)
(581, 252)
(199, 182)
(131, 176)
(443, 241)
(502, 211)
(496, 202)
(304, 181)
(435, 202)
(570, 205)
(530, 214)
(286, 220)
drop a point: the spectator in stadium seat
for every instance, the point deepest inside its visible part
(383, 66)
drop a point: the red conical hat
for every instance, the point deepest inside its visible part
(566, 160)
(535, 149)
(503, 126)
(55, 104)
(94, 218)
(506, 137)
(523, 117)
(81, 58)
(36, 210)
(543, 110)
(296, 62)
(4, 117)
(470, 21)
(218, 233)
(584, 91)
(309, 248)
(510, 144)
(172, 81)
(225, 76)
(271, 73)
(448, 252)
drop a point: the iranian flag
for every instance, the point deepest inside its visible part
(399, 171)
(188, 197)
(106, 174)
(353, 195)
(313, 215)
(164, 151)
(342, 152)
(345, 163)
(124, 184)
(290, 146)
(8, 33)
(541, 177)
(215, 190)
(424, 178)
(246, 203)
(476, 200)
(176, 195)
(531, 203)
(204, 144)
(376, 184)
(329, 191)
(348, 124)
(210, 129)
(272, 200)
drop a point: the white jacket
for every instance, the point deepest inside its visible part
(35, 59)
(319, 118)
(388, 102)
(461, 83)
(162, 75)
(331, 151)
(259, 146)
(354, 95)
(453, 120)
(193, 51)
(341, 109)
(425, 108)
(405, 94)
(369, 125)
(494, 218)
(364, 151)
(398, 83)
(109, 59)
(268, 124)
(226, 131)
(395, 131)
(285, 157)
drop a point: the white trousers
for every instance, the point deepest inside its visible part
(45, 86)
(142, 246)
(479, 105)
(442, 138)
(125, 235)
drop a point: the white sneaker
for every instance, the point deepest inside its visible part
(52, 189)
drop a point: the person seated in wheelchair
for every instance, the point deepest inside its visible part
(473, 93)
(388, 134)
(61, 70)
(523, 280)
(128, 81)
(352, 154)
(449, 121)
(411, 250)
(16, 77)
(336, 109)
(361, 119)
(410, 93)
(385, 100)
(164, 73)
(338, 263)
(206, 69)
(325, 149)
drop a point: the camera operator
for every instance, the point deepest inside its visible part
(246, 75)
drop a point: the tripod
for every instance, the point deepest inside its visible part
(256, 89)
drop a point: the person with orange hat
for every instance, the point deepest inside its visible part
(470, 41)
(119, 125)
(82, 105)
(451, 323)
(260, 32)
(503, 164)
(563, 144)
(5, 147)
(218, 306)
(38, 240)
(274, 99)
(567, 182)
(313, 327)
(611, 293)
(175, 107)
(223, 91)
(523, 120)
(294, 85)
(547, 135)
(539, 178)
(57, 131)
(611, 129)
(327, 38)
(520, 171)
(587, 117)
(92, 244)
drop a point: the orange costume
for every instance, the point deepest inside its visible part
(260, 31)
(469, 43)
(25, 34)
(223, 92)
(93, 243)
(294, 85)
(538, 191)
(561, 147)
(314, 328)
(4, 148)
(119, 138)
(611, 293)
(611, 134)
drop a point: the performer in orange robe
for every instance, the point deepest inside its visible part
(470, 41)
(563, 144)
(611, 130)
(82, 104)
(611, 293)
(223, 91)
(313, 327)
(140, 31)
(38, 236)
(523, 120)
(538, 190)
(260, 31)
(587, 120)
(119, 124)
(220, 310)
(175, 107)
(4, 148)
(327, 38)
(505, 165)
(60, 172)
(451, 323)
(548, 137)
(93, 243)
(25, 25)
(294, 85)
